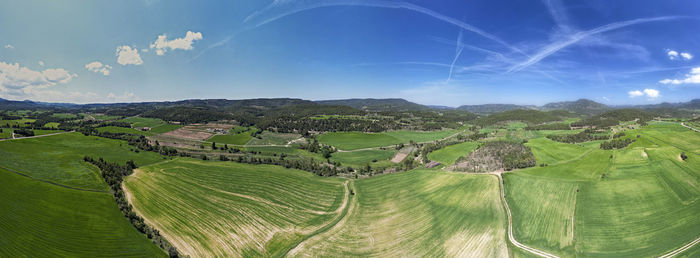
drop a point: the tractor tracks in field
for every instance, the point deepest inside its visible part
(337, 222)
(681, 249)
(511, 238)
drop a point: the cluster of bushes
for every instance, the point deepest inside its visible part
(114, 174)
(24, 132)
(497, 155)
(585, 136)
(616, 144)
(115, 124)
(553, 126)
(614, 117)
(527, 116)
(310, 165)
(138, 141)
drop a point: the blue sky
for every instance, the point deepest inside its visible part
(431, 52)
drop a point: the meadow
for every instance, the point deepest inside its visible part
(637, 201)
(232, 209)
(417, 213)
(235, 139)
(60, 160)
(157, 126)
(360, 140)
(363, 157)
(450, 154)
(44, 220)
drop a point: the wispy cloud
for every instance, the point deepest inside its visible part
(8, 46)
(281, 8)
(578, 36)
(458, 52)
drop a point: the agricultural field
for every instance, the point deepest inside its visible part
(232, 209)
(450, 154)
(417, 213)
(272, 138)
(637, 201)
(44, 220)
(157, 126)
(359, 140)
(117, 129)
(235, 139)
(363, 157)
(64, 153)
(64, 115)
(16, 122)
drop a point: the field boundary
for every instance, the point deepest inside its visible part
(343, 213)
(511, 238)
(52, 183)
(29, 137)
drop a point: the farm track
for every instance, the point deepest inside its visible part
(691, 128)
(681, 249)
(342, 214)
(30, 137)
(511, 238)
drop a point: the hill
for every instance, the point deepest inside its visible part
(581, 106)
(487, 109)
(376, 104)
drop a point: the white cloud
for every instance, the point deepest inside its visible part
(98, 67)
(650, 93)
(16, 80)
(162, 44)
(41, 63)
(675, 55)
(127, 55)
(692, 78)
(686, 56)
(8, 46)
(635, 93)
(672, 54)
(125, 97)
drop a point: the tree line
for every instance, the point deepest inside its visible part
(114, 174)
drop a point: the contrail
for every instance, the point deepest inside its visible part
(576, 37)
(458, 52)
(292, 7)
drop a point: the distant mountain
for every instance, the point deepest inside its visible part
(581, 106)
(486, 109)
(376, 104)
(693, 104)
(439, 107)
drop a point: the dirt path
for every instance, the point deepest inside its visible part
(681, 249)
(684, 125)
(337, 222)
(29, 137)
(511, 238)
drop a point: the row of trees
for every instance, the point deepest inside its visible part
(585, 136)
(616, 144)
(114, 174)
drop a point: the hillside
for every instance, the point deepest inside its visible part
(376, 104)
(487, 109)
(581, 106)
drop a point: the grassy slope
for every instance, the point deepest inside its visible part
(236, 139)
(58, 158)
(116, 129)
(357, 140)
(419, 213)
(647, 205)
(416, 136)
(359, 158)
(232, 209)
(43, 220)
(450, 154)
(550, 152)
(157, 126)
(274, 138)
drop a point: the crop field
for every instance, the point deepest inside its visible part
(157, 126)
(360, 158)
(645, 205)
(64, 115)
(359, 140)
(418, 213)
(232, 209)
(450, 154)
(52, 125)
(117, 129)
(64, 153)
(43, 220)
(15, 122)
(274, 138)
(550, 152)
(235, 139)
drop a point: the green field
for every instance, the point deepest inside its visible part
(232, 209)
(43, 220)
(117, 129)
(64, 115)
(235, 139)
(274, 138)
(19, 122)
(645, 206)
(157, 126)
(360, 158)
(417, 214)
(60, 158)
(359, 140)
(450, 154)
